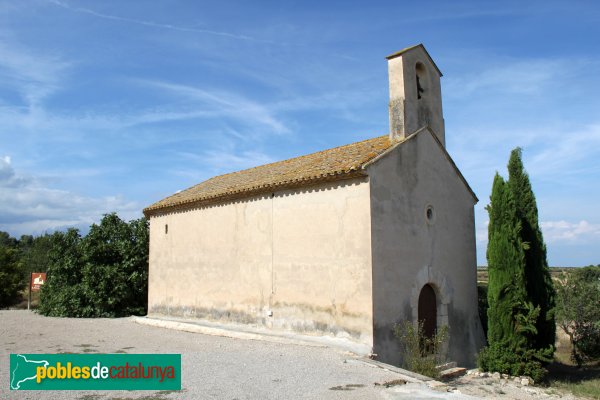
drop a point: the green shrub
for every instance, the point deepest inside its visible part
(500, 357)
(421, 354)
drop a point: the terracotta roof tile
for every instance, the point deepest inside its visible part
(332, 164)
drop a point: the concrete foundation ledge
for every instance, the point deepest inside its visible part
(408, 376)
(248, 332)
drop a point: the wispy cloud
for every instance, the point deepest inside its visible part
(561, 231)
(220, 103)
(31, 207)
(153, 24)
(516, 77)
(562, 152)
(8, 178)
(551, 151)
(506, 102)
(228, 154)
(229, 161)
(35, 76)
(196, 168)
(481, 232)
(560, 234)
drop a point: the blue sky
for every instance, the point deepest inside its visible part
(113, 105)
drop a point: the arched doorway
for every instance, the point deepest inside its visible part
(428, 310)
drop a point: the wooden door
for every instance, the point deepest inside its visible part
(428, 310)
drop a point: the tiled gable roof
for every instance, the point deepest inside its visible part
(338, 163)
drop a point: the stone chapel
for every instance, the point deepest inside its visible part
(344, 242)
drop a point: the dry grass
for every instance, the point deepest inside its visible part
(564, 375)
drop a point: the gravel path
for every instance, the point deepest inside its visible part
(213, 367)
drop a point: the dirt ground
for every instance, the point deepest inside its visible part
(504, 388)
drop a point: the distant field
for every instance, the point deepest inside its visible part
(482, 273)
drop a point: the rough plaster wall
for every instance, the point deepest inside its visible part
(304, 255)
(409, 252)
(407, 112)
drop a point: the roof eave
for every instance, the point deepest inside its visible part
(207, 201)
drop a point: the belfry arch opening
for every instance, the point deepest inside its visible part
(421, 78)
(427, 312)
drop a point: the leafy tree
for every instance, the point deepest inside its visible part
(7, 241)
(34, 252)
(11, 276)
(116, 270)
(62, 294)
(540, 289)
(17, 259)
(578, 312)
(103, 274)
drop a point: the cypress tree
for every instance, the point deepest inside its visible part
(537, 273)
(506, 266)
(514, 341)
(511, 314)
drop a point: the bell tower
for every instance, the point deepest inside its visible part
(415, 94)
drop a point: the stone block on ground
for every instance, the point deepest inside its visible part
(452, 373)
